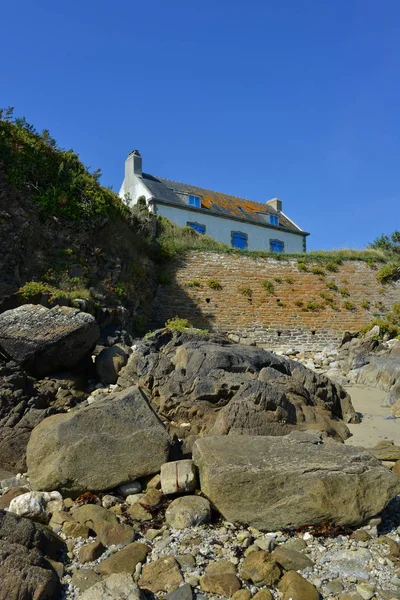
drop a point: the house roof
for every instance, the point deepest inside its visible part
(170, 192)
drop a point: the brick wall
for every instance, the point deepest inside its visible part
(246, 308)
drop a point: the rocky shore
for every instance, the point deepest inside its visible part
(190, 467)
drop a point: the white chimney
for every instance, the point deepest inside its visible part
(275, 203)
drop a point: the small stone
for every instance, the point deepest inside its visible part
(220, 567)
(108, 501)
(293, 585)
(187, 562)
(184, 592)
(93, 515)
(115, 535)
(291, 560)
(154, 482)
(260, 567)
(75, 530)
(125, 560)
(365, 590)
(360, 535)
(267, 543)
(33, 504)
(296, 544)
(85, 578)
(151, 534)
(151, 498)
(263, 595)
(10, 494)
(224, 584)
(243, 595)
(133, 499)
(333, 587)
(91, 552)
(133, 487)
(118, 586)
(188, 511)
(138, 513)
(178, 477)
(162, 575)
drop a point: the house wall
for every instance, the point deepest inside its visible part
(243, 307)
(221, 229)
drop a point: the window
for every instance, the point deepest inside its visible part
(274, 219)
(239, 240)
(194, 201)
(276, 246)
(197, 227)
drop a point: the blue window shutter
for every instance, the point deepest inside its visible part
(276, 246)
(197, 227)
(239, 240)
(274, 220)
(194, 201)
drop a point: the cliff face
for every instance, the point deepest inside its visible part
(107, 260)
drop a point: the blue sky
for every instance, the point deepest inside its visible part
(298, 99)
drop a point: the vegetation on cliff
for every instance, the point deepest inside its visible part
(56, 180)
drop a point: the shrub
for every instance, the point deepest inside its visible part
(317, 271)
(313, 306)
(331, 285)
(178, 324)
(331, 266)
(348, 305)
(343, 292)
(387, 243)
(365, 304)
(302, 266)
(214, 284)
(289, 280)
(246, 291)
(56, 179)
(299, 303)
(278, 279)
(268, 286)
(193, 284)
(388, 273)
(34, 288)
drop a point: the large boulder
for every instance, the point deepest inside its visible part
(44, 340)
(98, 447)
(24, 403)
(216, 387)
(382, 372)
(272, 483)
(25, 572)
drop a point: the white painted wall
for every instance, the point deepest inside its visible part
(258, 237)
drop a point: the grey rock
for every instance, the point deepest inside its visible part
(118, 586)
(133, 487)
(178, 477)
(98, 447)
(109, 363)
(184, 592)
(280, 482)
(44, 340)
(260, 393)
(188, 511)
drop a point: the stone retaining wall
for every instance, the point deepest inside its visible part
(239, 302)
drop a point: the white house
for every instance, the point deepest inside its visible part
(234, 221)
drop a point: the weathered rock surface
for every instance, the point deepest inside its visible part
(44, 340)
(178, 477)
(210, 385)
(119, 586)
(125, 560)
(272, 483)
(382, 372)
(25, 573)
(294, 586)
(110, 361)
(188, 511)
(98, 447)
(24, 403)
(162, 575)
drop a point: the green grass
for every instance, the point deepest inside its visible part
(193, 284)
(174, 241)
(214, 284)
(268, 286)
(245, 291)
